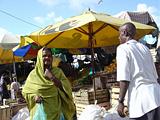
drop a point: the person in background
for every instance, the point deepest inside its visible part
(137, 74)
(48, 85)
(157, 64)
(4, 81)
(15, 88)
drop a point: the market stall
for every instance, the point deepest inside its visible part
(88, 30)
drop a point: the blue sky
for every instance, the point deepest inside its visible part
(45, 12)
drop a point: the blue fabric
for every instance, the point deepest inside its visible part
(148, 39)
(22, 51)
(62, 117)
(39, 114)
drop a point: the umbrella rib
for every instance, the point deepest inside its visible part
(81, 30)
(47, 27)
(113, 27)
(100, 28)
(53, 39)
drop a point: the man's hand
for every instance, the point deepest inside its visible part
(120, 110)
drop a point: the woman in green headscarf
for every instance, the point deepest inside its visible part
(48, 85)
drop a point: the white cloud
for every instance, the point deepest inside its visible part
(143, 7)
(49, 18)
(58, 19)
(39, 19)
(48, 2)
(51, 15)
(2, 30)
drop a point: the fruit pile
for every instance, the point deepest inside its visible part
(111, 68)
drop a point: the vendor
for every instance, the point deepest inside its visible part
(4, 81)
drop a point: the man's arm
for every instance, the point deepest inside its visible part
(123, 89)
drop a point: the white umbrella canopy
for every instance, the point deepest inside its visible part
(8, 40)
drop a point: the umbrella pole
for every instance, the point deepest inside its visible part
(14, 68)
(92, 59)
(93, 73)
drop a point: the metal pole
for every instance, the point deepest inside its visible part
(92, 58)
(14, 68)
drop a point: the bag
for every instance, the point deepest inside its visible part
(62, 117)
(39, 114)
(93, 112)
(22, 114)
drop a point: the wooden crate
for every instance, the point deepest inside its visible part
(5, 113)
(115, 95)
(85, 97)
(81, 107)
(88, 96)
(9, 101)
(109, 79)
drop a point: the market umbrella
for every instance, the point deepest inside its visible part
(27, 48)
(28, 51)
(7, 56)
(7, 42)
(80, 31)
(87, 30)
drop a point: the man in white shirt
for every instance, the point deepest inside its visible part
(15, 88)
(137, 74)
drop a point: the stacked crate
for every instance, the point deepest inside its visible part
(5, 113)
(153, 53)
(115, 90)
(84, 97)
(109, 79)
(9, 101)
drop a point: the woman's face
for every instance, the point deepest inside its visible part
(47, 58)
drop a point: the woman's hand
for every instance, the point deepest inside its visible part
(48, 74)
(38, 99)
(57, 82)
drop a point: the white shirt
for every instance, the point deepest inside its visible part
(15, 86)
(135, 64)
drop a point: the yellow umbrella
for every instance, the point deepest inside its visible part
(87, 30)
(80, 31)
(7, 42)
(6, 56)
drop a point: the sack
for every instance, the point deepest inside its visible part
(39, 114)
(93, 112)
(22, 114)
